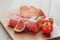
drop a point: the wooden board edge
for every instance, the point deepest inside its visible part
(6, 30)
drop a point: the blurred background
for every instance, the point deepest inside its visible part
(15, 4)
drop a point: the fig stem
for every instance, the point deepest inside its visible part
(47, 23)
(50, 18)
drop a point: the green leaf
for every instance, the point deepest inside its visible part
(37, 17)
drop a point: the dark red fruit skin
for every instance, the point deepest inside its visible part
(41, 13)
(13, 21)
(51, 21)
(32, 26)
(47, 29)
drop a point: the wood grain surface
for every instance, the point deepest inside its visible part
(4, 17)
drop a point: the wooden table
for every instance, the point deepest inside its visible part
(3, 34)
